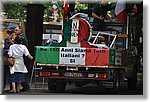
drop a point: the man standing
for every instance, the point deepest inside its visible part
(19, 31)
(100, 13)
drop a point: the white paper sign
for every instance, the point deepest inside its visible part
(72, 55)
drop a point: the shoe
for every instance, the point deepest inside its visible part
(12, 91)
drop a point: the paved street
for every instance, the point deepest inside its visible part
(89, 89)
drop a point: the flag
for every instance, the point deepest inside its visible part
(66, 5)
(73, 56)
(65, 10)
(54, 7)
(120, 11)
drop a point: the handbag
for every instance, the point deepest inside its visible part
(10, 61)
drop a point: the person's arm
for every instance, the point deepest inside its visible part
(29, 56)
(96, 16)
(26, 52)
(95, 11)
(10, 40)
(10, 52)
(111, 20)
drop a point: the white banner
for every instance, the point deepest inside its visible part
(72, 55)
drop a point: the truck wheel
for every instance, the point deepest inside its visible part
(51, 85)
(60, 85)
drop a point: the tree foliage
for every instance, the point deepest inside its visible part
(19, 11)
(14, 11)
(81, 6)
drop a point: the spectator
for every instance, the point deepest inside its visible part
(7, 43)
(19, 31)
(17, 72)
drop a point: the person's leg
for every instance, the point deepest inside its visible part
(12, 82)
(13, 87)
(25, 86)
(5, 75)
(18, 86)
(96, 26)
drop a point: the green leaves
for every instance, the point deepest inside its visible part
(14, 11)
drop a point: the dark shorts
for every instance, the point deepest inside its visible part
(99, 25)
(17, 77)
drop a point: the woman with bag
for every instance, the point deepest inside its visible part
(17, 72)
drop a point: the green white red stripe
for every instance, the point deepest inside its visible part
(72, 56)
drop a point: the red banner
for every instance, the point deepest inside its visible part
(97, 57)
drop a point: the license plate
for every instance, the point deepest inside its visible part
(73, 74)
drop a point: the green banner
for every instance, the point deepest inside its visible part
(47, 55)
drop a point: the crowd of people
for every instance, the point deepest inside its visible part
(16, 47)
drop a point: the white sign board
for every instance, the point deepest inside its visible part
(72, 55)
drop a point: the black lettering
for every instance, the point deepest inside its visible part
(54, 49)
(99, 51)
(74, 25)
(72, 60)
(83, 55)
(43, 49)
(57, 49)
(74, 34)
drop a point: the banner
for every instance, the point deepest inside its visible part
(72, 56)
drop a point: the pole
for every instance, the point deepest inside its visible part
(127, 32)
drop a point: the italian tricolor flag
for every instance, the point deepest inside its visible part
(72, 56)
(120, 11)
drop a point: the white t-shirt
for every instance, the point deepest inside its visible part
(17, 51)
